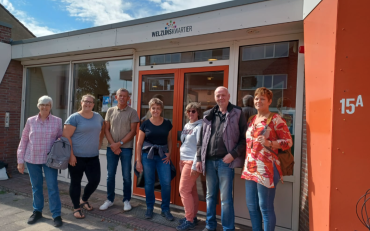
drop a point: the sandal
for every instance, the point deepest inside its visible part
(81, 214)
(88, 208)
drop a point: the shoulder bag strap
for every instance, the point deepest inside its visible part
(265, 129)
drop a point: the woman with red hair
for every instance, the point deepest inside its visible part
(262, 167)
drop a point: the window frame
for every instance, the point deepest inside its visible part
(263, 81)
(264, 51)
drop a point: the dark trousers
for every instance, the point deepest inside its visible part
(91, 167)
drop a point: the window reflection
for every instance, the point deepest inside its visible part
(47, 80)
(186, 57)
(273, 66)
(101, 79)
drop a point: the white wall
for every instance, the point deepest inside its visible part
(5, 57)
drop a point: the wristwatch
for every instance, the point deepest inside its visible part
(121, 142)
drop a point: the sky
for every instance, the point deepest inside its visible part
(46, 17)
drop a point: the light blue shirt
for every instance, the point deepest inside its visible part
(85, 139)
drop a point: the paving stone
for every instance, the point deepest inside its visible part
(11, 227)
(96, 219)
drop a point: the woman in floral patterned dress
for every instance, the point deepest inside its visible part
(262, 168)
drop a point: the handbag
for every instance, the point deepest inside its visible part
(286, 157)
(59, 155)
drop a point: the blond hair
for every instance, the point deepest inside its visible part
(156, 101)
(88, 95)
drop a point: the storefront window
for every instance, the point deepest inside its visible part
(186, 57)
(273, 66)
(47, 80)
(101, 79)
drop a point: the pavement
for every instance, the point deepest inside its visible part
(16, 207)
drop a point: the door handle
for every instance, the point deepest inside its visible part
(179, 135)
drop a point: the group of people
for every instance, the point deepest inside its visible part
(213, 146)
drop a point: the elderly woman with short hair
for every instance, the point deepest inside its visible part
(153, 153)
(38, 137)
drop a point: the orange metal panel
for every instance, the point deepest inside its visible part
(351, 155)
(337, 48)
(319, 38)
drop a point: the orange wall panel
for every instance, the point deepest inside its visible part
(319, 38)
(351, 155)
(337, 48)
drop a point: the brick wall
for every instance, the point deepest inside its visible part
(10, 101)
(5, 34)
(303, 204)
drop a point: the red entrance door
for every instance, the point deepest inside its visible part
(176, 88)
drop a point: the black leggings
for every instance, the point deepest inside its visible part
(91, 167)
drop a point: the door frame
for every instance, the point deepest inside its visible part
(141, 191)
(179, 78)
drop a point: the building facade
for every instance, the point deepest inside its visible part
(182, 57)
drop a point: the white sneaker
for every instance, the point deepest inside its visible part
(106, 205)
(127, 206)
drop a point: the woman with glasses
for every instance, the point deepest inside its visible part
(38, 137)
(188, 159)
(85, 132)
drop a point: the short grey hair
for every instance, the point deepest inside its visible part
(224, 88)
(124, 90)
(45, 99)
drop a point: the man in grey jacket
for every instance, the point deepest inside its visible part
(220, 150)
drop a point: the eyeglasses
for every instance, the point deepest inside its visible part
(45, 105)
(88, 102)
(192, 111)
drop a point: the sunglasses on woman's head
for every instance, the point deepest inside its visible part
(192, 111)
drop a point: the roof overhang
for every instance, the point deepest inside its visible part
(250, 14)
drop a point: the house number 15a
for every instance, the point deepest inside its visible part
(350, 104)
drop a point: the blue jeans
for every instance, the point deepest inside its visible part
(37, 180)
(260, 199)
(220, 177)
(164, 174)
(112, 162)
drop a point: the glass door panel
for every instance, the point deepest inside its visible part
(159, 84)
(198, 85)
(161, 87)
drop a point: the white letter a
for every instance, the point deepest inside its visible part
(359, 101)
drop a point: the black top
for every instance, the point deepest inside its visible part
(156, 134)
(216, 147)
